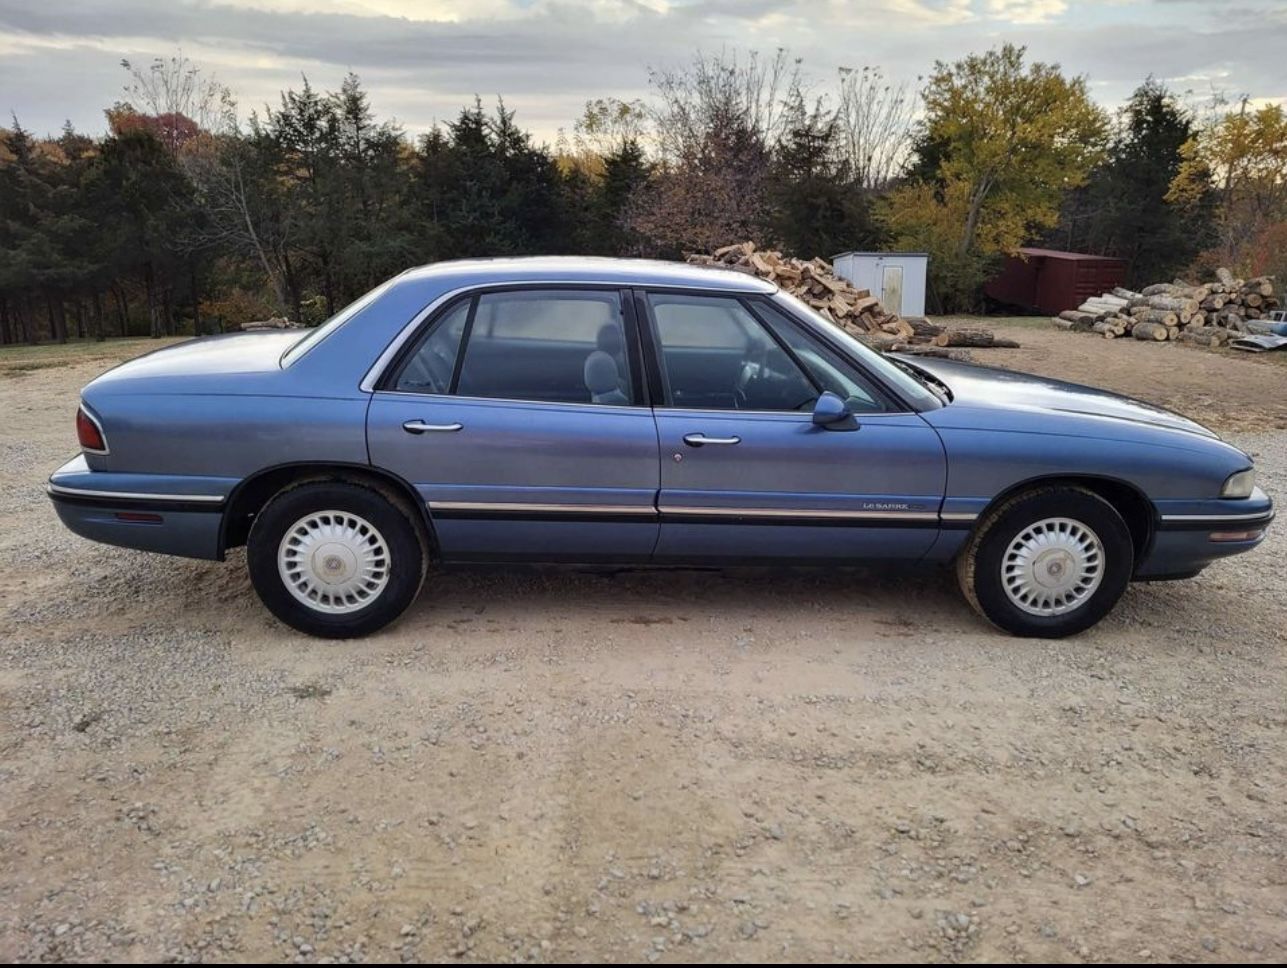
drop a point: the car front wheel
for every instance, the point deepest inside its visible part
(1048, 562)
(335, 559)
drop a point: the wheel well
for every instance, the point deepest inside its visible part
(1136, 509)
(250, 496)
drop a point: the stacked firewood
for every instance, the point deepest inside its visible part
(856, 311)
(276, 322)
(1208, 314)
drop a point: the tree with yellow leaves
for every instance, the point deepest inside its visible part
(1000, 144)
(1245, 153)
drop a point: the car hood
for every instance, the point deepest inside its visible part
(208, 356)
(985, 386)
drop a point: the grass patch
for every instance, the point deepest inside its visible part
(17, 360)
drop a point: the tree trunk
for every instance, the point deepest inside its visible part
(6, 334)
(167, 309)
(153, 310)
(57, 316)
(80, 318)
(28, 319)
(97, 323)
(122, 308)
(196, 297)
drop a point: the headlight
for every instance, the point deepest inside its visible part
(1240, 484)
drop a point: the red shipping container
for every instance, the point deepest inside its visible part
(1051, 281)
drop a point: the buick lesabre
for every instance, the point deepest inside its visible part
(604, 411)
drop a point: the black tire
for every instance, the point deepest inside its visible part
(400, 562)
(981, 564)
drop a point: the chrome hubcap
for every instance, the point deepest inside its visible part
(334, 562)
(1052, 567)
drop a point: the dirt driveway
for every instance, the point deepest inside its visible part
(688, 766)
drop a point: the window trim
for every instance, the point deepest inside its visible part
(395, 356)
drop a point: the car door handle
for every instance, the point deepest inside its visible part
(701, 440)
(420, 427)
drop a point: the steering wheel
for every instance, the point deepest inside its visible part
(753, 370)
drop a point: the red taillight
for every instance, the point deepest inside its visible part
(89, 433)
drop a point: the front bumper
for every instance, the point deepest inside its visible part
(169, 515)
(1191, 535)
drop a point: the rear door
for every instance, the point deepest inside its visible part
(518, 415)
(745, 473)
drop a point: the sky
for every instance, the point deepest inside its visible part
(421, 61)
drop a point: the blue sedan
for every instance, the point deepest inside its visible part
(605, 411)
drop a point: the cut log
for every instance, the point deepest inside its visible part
(1151, 331)
(1158, 317)
(1205, 336)
(973, 337)
(1225, 277)
(923, 327)
(1176, 304)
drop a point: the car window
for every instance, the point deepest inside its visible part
(430, 366)
(908, 386)
(555, 346)
(828, 369)
(716, 356)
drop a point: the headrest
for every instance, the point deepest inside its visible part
(600, 372)
(609, 339)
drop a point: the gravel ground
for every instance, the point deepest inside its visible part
(681, 766)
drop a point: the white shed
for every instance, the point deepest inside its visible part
(896, 278)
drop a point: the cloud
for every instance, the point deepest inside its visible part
(1026, 11)
(421, 61)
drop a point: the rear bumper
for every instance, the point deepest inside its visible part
(173, 516)
(1189, 538)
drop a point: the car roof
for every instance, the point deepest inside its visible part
(584, 269)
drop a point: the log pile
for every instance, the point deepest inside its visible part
(1205, 314)
(856, 311)
(276, 322)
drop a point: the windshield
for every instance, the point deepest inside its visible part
(323, 330)
(903, 379)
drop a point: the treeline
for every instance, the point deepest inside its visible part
(184, 219)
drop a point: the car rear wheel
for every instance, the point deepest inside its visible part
(1048, 562)
(336, 559)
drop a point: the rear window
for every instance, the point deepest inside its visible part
(323, 330)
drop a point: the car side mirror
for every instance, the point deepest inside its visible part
(831, 413)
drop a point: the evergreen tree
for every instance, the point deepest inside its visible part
(1123, 210)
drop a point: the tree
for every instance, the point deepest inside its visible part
(713, 194)
(818, 208)
(481, 187)
(1009, 141)
(1123, 209)
(1246, 154)
(138, 190)
(873, 120)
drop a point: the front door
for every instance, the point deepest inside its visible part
(517, 416)
(745, 473)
